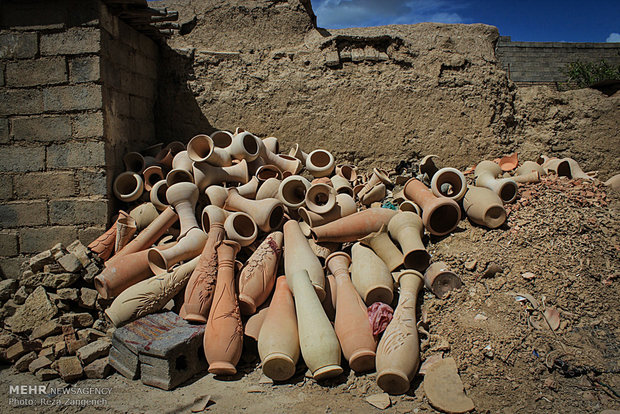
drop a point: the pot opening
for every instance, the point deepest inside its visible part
(495, 216)
(128, 184)
(250, 144)
(508, 192)
(156, 261)
(243, 225)
(444, 219)
(417, 260)
(200, 147)
(221, 139)
(161, 193)
(320, 159)
(564, 169)
(294, 192)
(450, 184)
(276, 217)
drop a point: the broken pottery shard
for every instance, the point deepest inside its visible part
(381, 401)
(444, 389)
(428, 362)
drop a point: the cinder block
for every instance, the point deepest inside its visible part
(6, 189)
(41, 128)
(119, 103)
(19, 214)
(22, 159)
(8, 243)
(45, 185)
(18, 45)
(10, 267)
(72, 98)
(91, 182)
(74, 41)
(78, 211)
(84, 69)
(21, 101)
(34, 240)
(44, 71)
(4, 130)
(87, 235)
(88, 125)
(75, 155)
(1, 74)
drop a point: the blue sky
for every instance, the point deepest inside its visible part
(537, 21)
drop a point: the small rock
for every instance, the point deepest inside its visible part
(549, 383)
(492, 270)
(20, 348)
(39, 363)
(37, 262)
(7, 288)
(74, 345)
(528, 276)
(78, 320)
(100, 368)
(381, 401)
(37, 310)
(46, 374)
(70, 263)
(90, 334)
(47, 353)
(88, 297)
(58, 255)
(69, 368)
(60, 349)
(255, 389)
(58, 247)
(22, 363)
(93, 351)
(31, 281)
(92, 270)
(21, 295)
(59, 280)
(53, 268)
(444, 389)
(9, 308)
(487, 351)
(68, 294)
(471, 264)
(78, 249)
(52, 340)
(100, 325)
(588, 396)
(45, 330)
(480, 317)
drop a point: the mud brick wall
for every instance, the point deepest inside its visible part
(540, 62)
(65, 121)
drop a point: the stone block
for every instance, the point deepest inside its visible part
(74, 155)
(2, 74)
(8, 243)
(91, 182)
(41, 128)
(21, 295)
(6, 190)
(10, 267)
(21, 101)
(88, 125)
(89, 234)
(60, 349)
(6, 340)
(20, 214)
(22, 363)
(37, 310)
(59, 280)
(21, 348)
(69, 368)
(46, 374)
(84, 69)
(70, 263)
(98, 369)
(77, 320)
(18, 45)
(74, 345)
(4, 130)
(22, 159)
(7, 288)
(47, 185)
(39, 363)
(34, 72)
(37, 262)
(88, 298)
(72, 98)
(95, 350)
(90, 334)
(74, 41)
(92, 270)
(45, 330)
(54, 268)
(78, 211)
(332, 58)
(52, 340)
(68, 294)
(47, 353)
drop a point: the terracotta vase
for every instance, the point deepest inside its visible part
(183, 197)
(351, 325)
(378, 176)
(150, 295)
(292, 191)
(258, 276)
(298, 153)
(134, 162)
(253, 325)
(354, 226)
(329, 303)
(529, 167)
(125, 229)
(567, 167)
(428, 166)
(345, 206)
(268, 213)
(317, 339)
(128, 186)
(223, 338)
(245, 146)
(398, 353)
(152, 175)
(440, 215)
(241, 228)
(370, 276)
(440, 280)
(248, 190)
(320, 163)
(376, 194)
(182, 161)
(272, 144)
(532, 177)
(268, 189)
(205, 174)
(349, 172)
(144, 215)
(265, 172)
(221, 139)
(320, 198)
(201, 148)
(188, 247)
(449, 182)
(410, 206)
(383, 246)
(407, 229)
(298, 255)
(278, 340)
(157, 195)
(341, 185)
(216, 195)
(201, 285)
(178, 175)
(484, 207)
(486, 174)
(103, 246)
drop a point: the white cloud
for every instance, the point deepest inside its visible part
(354, 13)
(613, 37)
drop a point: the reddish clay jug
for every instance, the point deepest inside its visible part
(406, 228)
(268, 213)
(440, 215)
(183, 197)
(353, 227)
(103, 246)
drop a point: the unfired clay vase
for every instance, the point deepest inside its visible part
(440, 280)
(201, 148)
(370, 276)
(144, 215)
(216, 195)
(410, 206)
(566, 167)
(188, 247)
(268, 213)
(128, 186)
(320, 198)
(221, 139)
(278, 340)
(258, 276)
(241, 228)
(383, 246)
(376, 194)
(345, 206)
(178, 175)
(223, 338)
(354, 226)
(320, 163)
(248, 190)
(157, 195)
(530, 167)
(484, 207)
(298, 255)
(205, 174)
(317, 339)
(398, 353)
(349, 172)
(440, 215)
(272, 144)
(298, 153)
(378, 176)
(134, 162)
(351, 325)
(268, 189)
(613, 182)
(245, 146)
(292, 191)
(103, 246)
(341, 185)
(486, 173)
(125, 229)
(182, 161)
(449, 182)
(183, 197)
(150, 295)
(407, 228)
(152, 175)
(532, 177)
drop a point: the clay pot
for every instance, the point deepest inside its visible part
(346, 171)
(248, 190)
(398, 353)
(292, 191)
(449, 182)
(151, 176)
(484, 207)
(376, 194)
(399, 197)
(428, 166)
(440, 215)
(370, 276)
(182, 161)
(351, 325)
(486, 173)
(272, 144)
(188, 247)
(529, 167)
(178, 175)
(317, 339)
(103, 246)
(245, 146)
(378, 176)
(202, 149)
(407, 229)
(150, 295)
(258, 276)
(532, 177)
(134, 162)
(201, 285)
(613, 182)
(298, 153)
(320, 163)
(298, 255)
(144, 215)
(329, 303)
(341, 185)
(383, 246)
(320, 198)
(265, 172)
(509, 162)
(410, 206)
(241, 228)
(278, 340)
(183, 197)
(125, 229)
(157, 195)
(284, 163)
(268, 214)
(354, 226)
(345, 206)
(566, 167)
(223, 338)
(221, 139)
(166, 155)
(128, 186)
(216, 195)
(268, 189)
(205, 174)
(440, 280)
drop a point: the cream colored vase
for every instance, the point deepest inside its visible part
(383, 246)
(299, 256)
(370, 276)
(407, 228)
(486, 174)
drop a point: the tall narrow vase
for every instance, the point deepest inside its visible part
(370, 276)
(298, 255)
